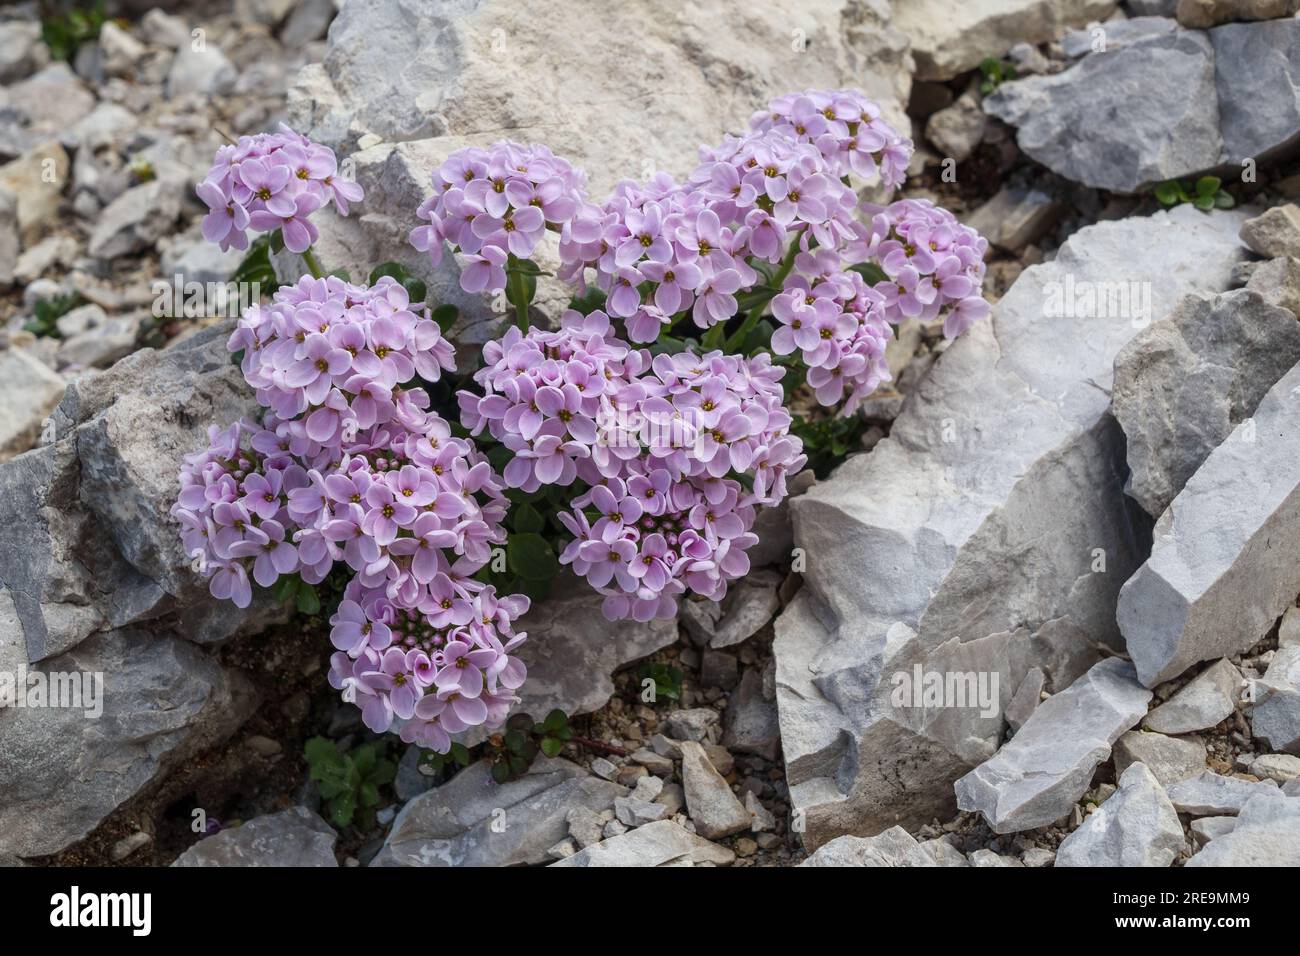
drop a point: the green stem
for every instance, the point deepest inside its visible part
(787, 264)
(518, 292)
(313, 265)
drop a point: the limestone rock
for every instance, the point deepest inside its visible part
(1209, 794)
(1225, 562)
(29, 390)
(471, 821)
(36, 180)
(948, 39)
(750, 603)
(712, 806)
(21, 49)
(1267, 834)
(1275, 233)
(1015, 217)
(1278, 281)
(893, 847)
(1048, 765)
(752, 723)
(1135, 826)
(294, 837)
(1183, 383)
(1203, 14)
(972, 538)
(656, 844)
(205, 71)
(1208, 699)
(1275, 714)
(135, 220)
(1170, 759)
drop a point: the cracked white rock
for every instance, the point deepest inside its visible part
(1225, 562)
(1038, 776)
(1275, 713)
(1267, 833)
(1170, 759)
(972, 539)
(1135, 826)
(893, 847)
(294, 837)
(712, 807)
(663, 843)
(1210, 794)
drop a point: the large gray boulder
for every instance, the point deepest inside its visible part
(93, 579)
(1047, 766)
(1267, 834)
(1225, 562)
(1207, 99)
(1183, 383)
(988, 534)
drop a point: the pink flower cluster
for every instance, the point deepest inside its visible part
(440, 671)
(934, 265)
(272, 181)
(659, 443)
(352, 466)
(490, 204)
(846, 128)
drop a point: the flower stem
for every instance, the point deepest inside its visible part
(518, 283)
(313, 265)
(787, 264)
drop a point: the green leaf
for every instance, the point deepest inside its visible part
(1169, 192)
(321, 752)
(531, 557)
(668, 680)
(393, 269)
(527, 519)
(343, 808)
(369, 795)
(520, 722)
(445, 316)
(416, 290)
(518, 765)
(515, 740)
(551, 746)
(384, 773)
(460, 754)
(870, 272)
(285, 588)
(1208, 185)
(555, 720)
(1203, 203)
(1224, 200)
(500, 772)
(364, 757)
(592, 300)
(306, 599)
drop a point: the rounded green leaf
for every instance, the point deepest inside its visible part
(531, 557)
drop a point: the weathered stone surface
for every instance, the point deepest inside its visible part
(163, 702)
(712, 806)
(1275, 715)
(1170, 759)
(1278, 281)
(1205, 829)
(1267, 834)
(1209, 794)
(750, 603)
(205, 71)
(135, 220)
(1183, 383)
(36, 180)
(957, 130)
(1208, 100)
(1135, 826)
(944, 853)
(893, 847)
(663, 843)
(985, 857)
(294, 837)
(1208, 699)
(968, 540)
(752, 724)
(1036, 777)
(1279, 767)
(1225, 562)
(1114, 35)
(572, 651)
(948, 39)
(1026, 698)
(1015, 217)
(21, 49)
(1275, 233)
(1202, 14)
(29, 390)
(472, 821)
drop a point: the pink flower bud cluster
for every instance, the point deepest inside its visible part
(490, 204)
(934, 264)
(272, 181)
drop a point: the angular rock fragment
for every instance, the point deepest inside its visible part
(989, 533)
(1170, 759)
(1047, 766)
(1267, 834)
(1210, 794)
(1135, 826)
(1274, 233)
(752, 723)
(663, 843)
(1278, 282)
(472, 821)
(29, 390)
(294, 837)
(1275, 713)
(1183, 383)
(712, 806)
(893, 847)
(1201, 704)
(1225, 562)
